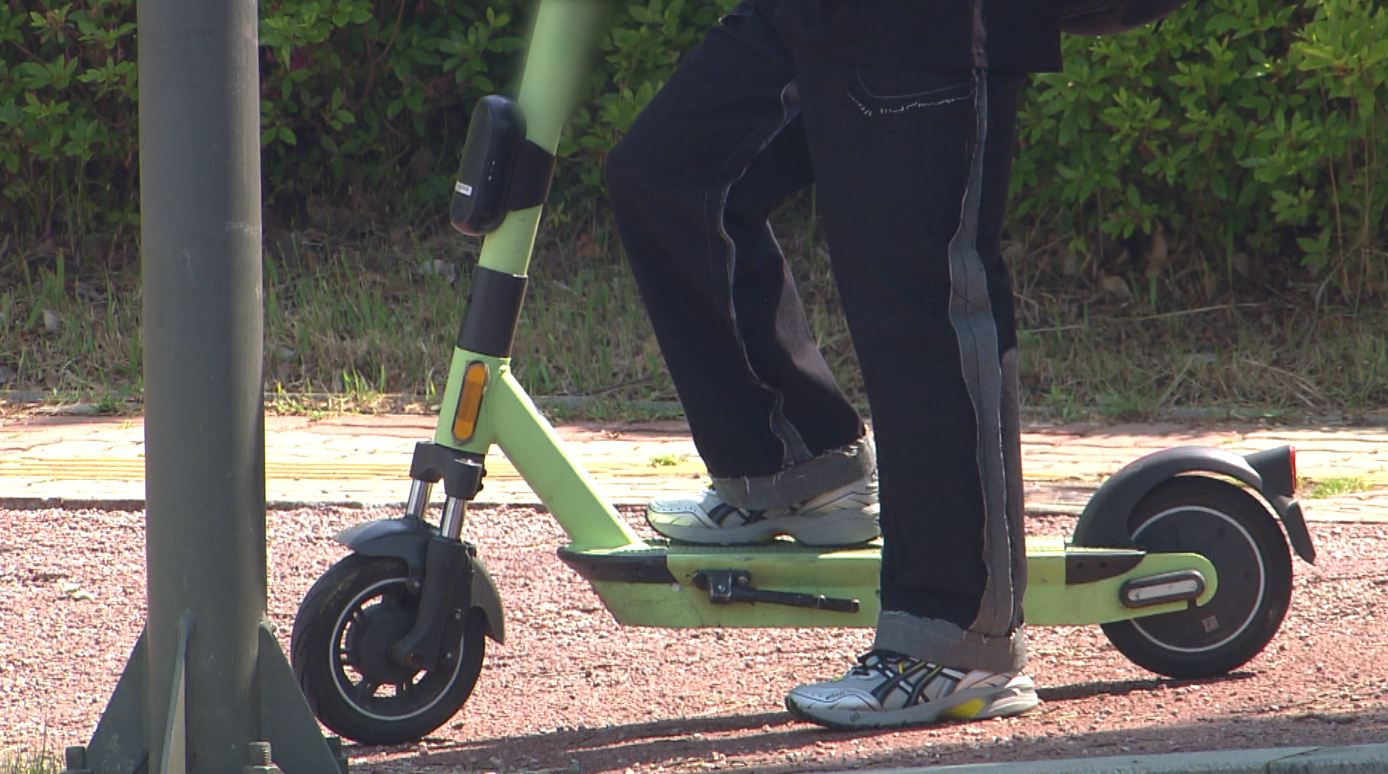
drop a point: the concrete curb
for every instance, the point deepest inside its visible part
(1365, 759)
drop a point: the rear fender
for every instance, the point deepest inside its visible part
(1104, 522)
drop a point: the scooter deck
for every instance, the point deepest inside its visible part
(677, 585)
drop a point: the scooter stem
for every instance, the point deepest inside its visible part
(556, 64)
(560, 48)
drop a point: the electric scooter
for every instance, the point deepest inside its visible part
(1182, 556)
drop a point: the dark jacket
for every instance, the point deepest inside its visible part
(1010, 36)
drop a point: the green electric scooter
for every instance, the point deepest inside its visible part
(1179, 556)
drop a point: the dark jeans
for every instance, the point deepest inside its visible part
(911, 168)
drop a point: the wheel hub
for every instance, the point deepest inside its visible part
(369, 643)
(1241, 581)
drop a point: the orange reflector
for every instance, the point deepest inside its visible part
(469, 401)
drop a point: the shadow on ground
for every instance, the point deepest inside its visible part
(713, 743)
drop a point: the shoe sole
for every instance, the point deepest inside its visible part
(834, 528)
(969, 704)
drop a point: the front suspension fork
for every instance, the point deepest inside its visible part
(447, 560)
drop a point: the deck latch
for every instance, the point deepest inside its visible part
(726, 587)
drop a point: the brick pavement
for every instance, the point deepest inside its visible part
(359, 459)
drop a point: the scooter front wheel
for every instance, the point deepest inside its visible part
(341, 654)
(1228, 526)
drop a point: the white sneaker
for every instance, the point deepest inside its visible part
(889, 690)
(841, 517)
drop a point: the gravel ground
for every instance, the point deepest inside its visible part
(572, 691)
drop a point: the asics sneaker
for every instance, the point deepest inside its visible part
(888, 690)
(840, 517)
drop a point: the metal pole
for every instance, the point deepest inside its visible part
(204, 444)
(207, 678)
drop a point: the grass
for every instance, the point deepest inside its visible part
(369, 325)
(68, 329)
(26, 763)
(1331, 487)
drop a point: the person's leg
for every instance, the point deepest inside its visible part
(769, 314)
(691, 186)
(913, 169)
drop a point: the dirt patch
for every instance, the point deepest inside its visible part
(573, 691)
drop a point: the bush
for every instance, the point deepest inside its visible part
(363, 101)
(1241, 132)
(67, 119)
(1247, 128)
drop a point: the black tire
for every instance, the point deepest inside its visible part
(1232, 529)
(340, 652)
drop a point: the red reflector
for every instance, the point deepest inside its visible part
(1291, 454)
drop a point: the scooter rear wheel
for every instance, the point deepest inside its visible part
(341, 654)
(1232, 529)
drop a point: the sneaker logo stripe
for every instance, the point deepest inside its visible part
(720, 513)
(918, 693)
(905, 681)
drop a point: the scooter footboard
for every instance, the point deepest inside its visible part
(675, 585)
(785, 584)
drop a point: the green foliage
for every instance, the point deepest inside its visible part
(1244, 130)
(1244, 127)
(1343, 54)
(67, 118)
(1331, 487)
(22, 763)
(643, 43)
(362, 98)
(30, 761)
(363, 101)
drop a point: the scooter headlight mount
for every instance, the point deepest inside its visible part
(501, 171)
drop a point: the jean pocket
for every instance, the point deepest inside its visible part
(889, 90)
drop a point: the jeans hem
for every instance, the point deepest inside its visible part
(945, 643)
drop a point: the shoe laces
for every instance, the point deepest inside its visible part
(883, 662)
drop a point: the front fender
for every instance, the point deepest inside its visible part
(403, 538)
(408, 539)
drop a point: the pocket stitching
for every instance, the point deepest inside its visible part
(867, 92)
